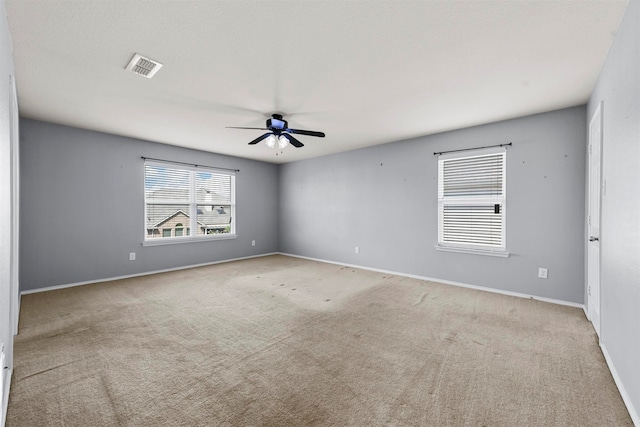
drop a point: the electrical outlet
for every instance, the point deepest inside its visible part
(357, 250)
(542, 273)
(253, 243)
(132, 256)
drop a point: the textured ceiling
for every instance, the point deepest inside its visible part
(363, 72)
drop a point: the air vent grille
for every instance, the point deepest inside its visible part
(143, 66)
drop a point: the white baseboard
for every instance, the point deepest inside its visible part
(446, 282)
(635, 417)
(146, 273)
(397, 273)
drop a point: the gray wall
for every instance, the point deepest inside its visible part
(619, 88)
(384, 200)
(82, 208)
(6, 69)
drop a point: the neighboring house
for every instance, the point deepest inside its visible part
(165, 220)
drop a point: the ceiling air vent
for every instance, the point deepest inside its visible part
(143, 66)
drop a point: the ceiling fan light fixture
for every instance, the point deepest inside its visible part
(283, 141)
(270, 141)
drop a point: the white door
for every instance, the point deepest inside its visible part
(593, 219)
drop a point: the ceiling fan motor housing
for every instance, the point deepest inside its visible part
(276, 122)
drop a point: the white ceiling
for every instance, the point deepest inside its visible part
(364, 72)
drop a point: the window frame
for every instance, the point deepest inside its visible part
(193, 203)
(472, 200)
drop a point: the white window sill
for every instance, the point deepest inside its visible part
(177, 240)
(502, 254)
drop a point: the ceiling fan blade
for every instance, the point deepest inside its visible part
(306, 132)
(293, 141)
(260, 138)
(237, 127)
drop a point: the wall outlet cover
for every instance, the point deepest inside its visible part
(542, 273)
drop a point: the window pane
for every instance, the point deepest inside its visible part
(166, 184)
(166, 217)
(473, 176)
(214, 219)
(472, 224)
(175, 194)
(213, 188)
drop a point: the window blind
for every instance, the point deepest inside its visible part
(475, 176)
(471, 201)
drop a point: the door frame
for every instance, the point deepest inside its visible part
(14, 141)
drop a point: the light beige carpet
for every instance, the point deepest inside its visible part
(280, 341)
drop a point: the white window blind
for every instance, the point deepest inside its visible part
(187, 202)
(471, 200)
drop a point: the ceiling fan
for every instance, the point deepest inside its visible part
(280, 132)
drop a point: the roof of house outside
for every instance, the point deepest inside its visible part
(210, 216)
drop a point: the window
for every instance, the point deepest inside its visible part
(471, 201)
(184, 203)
